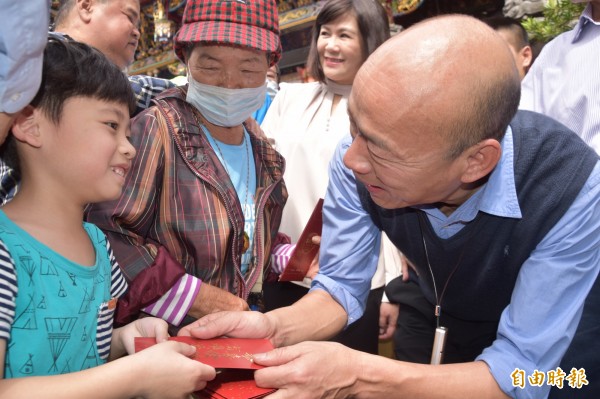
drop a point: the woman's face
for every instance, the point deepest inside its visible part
(340, 49)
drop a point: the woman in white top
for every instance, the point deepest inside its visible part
(305, 122)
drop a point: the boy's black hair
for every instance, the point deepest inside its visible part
(75, 69)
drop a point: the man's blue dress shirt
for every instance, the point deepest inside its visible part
(536, 327)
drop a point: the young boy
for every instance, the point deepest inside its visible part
(59, 280)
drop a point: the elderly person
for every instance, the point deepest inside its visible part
(199, 214)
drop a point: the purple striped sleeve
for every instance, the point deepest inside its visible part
(280, 256)
(175, 303)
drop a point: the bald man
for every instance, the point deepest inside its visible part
(498, 211)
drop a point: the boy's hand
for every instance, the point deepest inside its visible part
(167, 372)
(145, 327)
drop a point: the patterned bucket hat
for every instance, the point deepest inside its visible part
(247, 23)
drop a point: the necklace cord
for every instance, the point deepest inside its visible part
(438, 306)
(246, 243)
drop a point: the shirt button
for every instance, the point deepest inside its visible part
(15, 97)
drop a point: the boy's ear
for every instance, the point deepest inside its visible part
(25, 127)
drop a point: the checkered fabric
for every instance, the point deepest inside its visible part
(248, 23)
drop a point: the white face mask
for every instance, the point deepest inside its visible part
(225, 107)
(272, 88)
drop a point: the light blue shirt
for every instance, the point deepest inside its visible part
(564, 81)
(536, 327)
(23, 33)
(239, 164)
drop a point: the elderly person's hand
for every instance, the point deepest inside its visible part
(231, 324)
(213, 299)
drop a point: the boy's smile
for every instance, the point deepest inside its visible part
(92, 138)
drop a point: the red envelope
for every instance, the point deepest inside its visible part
(305, 250)
(233, 356)
(222, 353)
(233, 384)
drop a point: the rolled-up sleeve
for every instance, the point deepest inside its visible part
(350, 240)
(537, 326)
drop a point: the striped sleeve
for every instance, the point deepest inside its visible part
(280, 256)
(118, 287)
(118, 284)
(8, 292)
(175, 303)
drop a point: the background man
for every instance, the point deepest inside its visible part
(564, 81)
(516, 37)
(112, 26)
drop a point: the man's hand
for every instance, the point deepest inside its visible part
(314, 265)
(388, 317)
(404, 268)
(309, 370)
(212, 299)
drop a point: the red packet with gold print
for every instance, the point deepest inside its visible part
(233, 358)
(220, 353)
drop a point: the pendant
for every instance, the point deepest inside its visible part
(439, 344)
(246, 243)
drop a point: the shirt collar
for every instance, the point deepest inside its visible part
(497, 197)
(584, 19)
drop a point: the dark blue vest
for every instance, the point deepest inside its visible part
(551, 164)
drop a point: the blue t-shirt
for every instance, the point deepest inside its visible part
(56, 315)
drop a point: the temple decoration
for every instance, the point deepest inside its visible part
(160, 19)
(162, 25)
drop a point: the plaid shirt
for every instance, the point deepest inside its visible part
(179, 196)
(9, 183)
(146, 88)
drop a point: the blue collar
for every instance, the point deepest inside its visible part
(496, 197)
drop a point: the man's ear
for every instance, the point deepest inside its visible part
(481, 159)
(84, 9)
(25, 127)
(526, 57)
